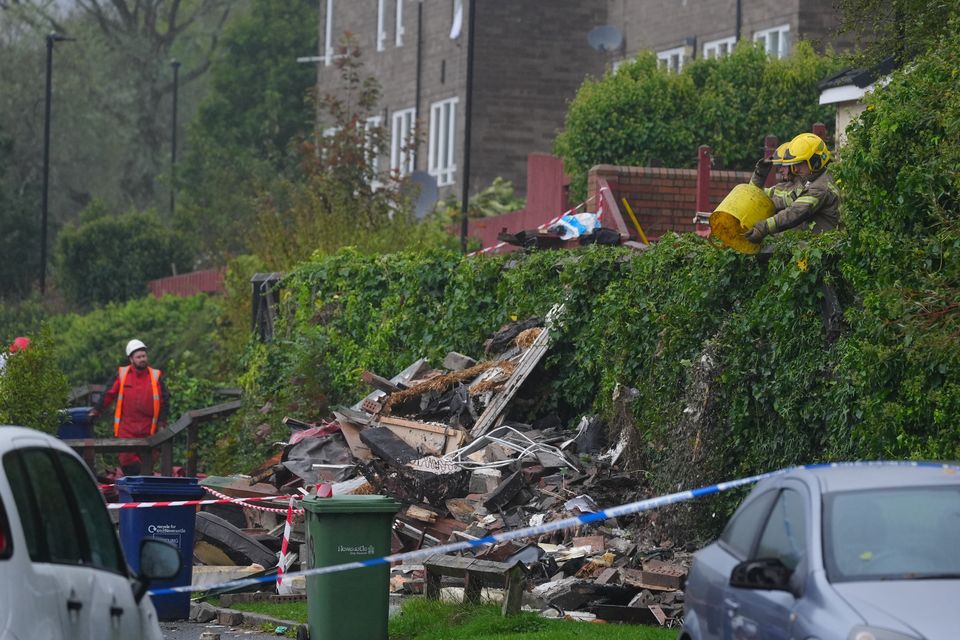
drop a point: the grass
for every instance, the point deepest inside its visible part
(292, 611)
(422, 619)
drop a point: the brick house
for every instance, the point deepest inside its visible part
(530, 57)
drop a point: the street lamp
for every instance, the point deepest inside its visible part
(173, 136)
(51, 39)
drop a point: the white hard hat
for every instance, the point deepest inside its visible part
(134, 345)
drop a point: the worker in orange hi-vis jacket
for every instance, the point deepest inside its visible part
(142, 401)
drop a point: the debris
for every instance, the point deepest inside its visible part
(240, 548)
(388, 446)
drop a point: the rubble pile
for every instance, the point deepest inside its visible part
(441, 442)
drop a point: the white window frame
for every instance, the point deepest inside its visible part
(719, 48)
(399, 31)
(441, 158)
(381, 25)
(666, 58)
(402, 157)
(328, 35)
(372, 151)
(782, 49)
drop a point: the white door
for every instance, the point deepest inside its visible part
(61, 588)
(114, 615)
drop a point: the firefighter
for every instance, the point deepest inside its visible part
(815, 202)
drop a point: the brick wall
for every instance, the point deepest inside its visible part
(663, 199)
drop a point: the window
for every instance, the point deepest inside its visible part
(719, 48)
(671, 59)
(440, 162)
(381, 24)
(328, 35)
(399, 30)
(775, 41)
(62, 514)
(104, 550)
(402, 141)
(741, 532)
(785, 535)
(456, 21)
(372, 137)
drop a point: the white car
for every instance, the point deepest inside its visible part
(62, 572)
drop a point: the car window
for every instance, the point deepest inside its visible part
(104, 547)
(27, 511)
(892, 534)
(785, 534)
(65, 541)
(742, 530)
(6, 544)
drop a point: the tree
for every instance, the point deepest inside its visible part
(108, 258)
(338, 196)
(112, 92)
(643, 115)
(258, 103)
(19, 231)
(901, 28)
(33, 389)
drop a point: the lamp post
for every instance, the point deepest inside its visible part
(467, 116)
(51, 39)
(173, 136)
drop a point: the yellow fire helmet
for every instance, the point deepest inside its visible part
(807, 148)
(777, 157)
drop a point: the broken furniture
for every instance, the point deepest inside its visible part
(476, 575)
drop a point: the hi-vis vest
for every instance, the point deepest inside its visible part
(154, 387)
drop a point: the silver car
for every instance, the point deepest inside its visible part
(842, 553)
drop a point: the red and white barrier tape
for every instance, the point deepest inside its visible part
(543, 226)
(284, 546)
(255, 507)
(193, 503)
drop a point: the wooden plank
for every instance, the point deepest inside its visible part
(514, 587)
(388, 446)
(404, 377)
(430, 438)
(379, 382)
(528, 361)
(351, 433)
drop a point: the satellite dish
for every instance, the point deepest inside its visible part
(605, 38)
(423, 187)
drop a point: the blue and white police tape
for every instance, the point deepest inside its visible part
(548, 527)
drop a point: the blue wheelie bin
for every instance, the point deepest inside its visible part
(76, 424)
(173, 524)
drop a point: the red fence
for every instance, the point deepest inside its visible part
(188, 284)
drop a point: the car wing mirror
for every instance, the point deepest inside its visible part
(765, 573)
(159, 560)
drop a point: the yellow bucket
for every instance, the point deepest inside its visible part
(744, 206)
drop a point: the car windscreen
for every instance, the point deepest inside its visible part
(892, 534)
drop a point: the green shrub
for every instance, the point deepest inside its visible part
(33, 389)
(642, 115)
(110, 259)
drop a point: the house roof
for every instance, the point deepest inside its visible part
(852, 83)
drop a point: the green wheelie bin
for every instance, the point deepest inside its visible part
(353, 604)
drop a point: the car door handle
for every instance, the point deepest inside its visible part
(731, 604)
(116, 612)
(74, 605)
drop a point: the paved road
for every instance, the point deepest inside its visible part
(192, 631)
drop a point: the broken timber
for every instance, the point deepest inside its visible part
(528, 361)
